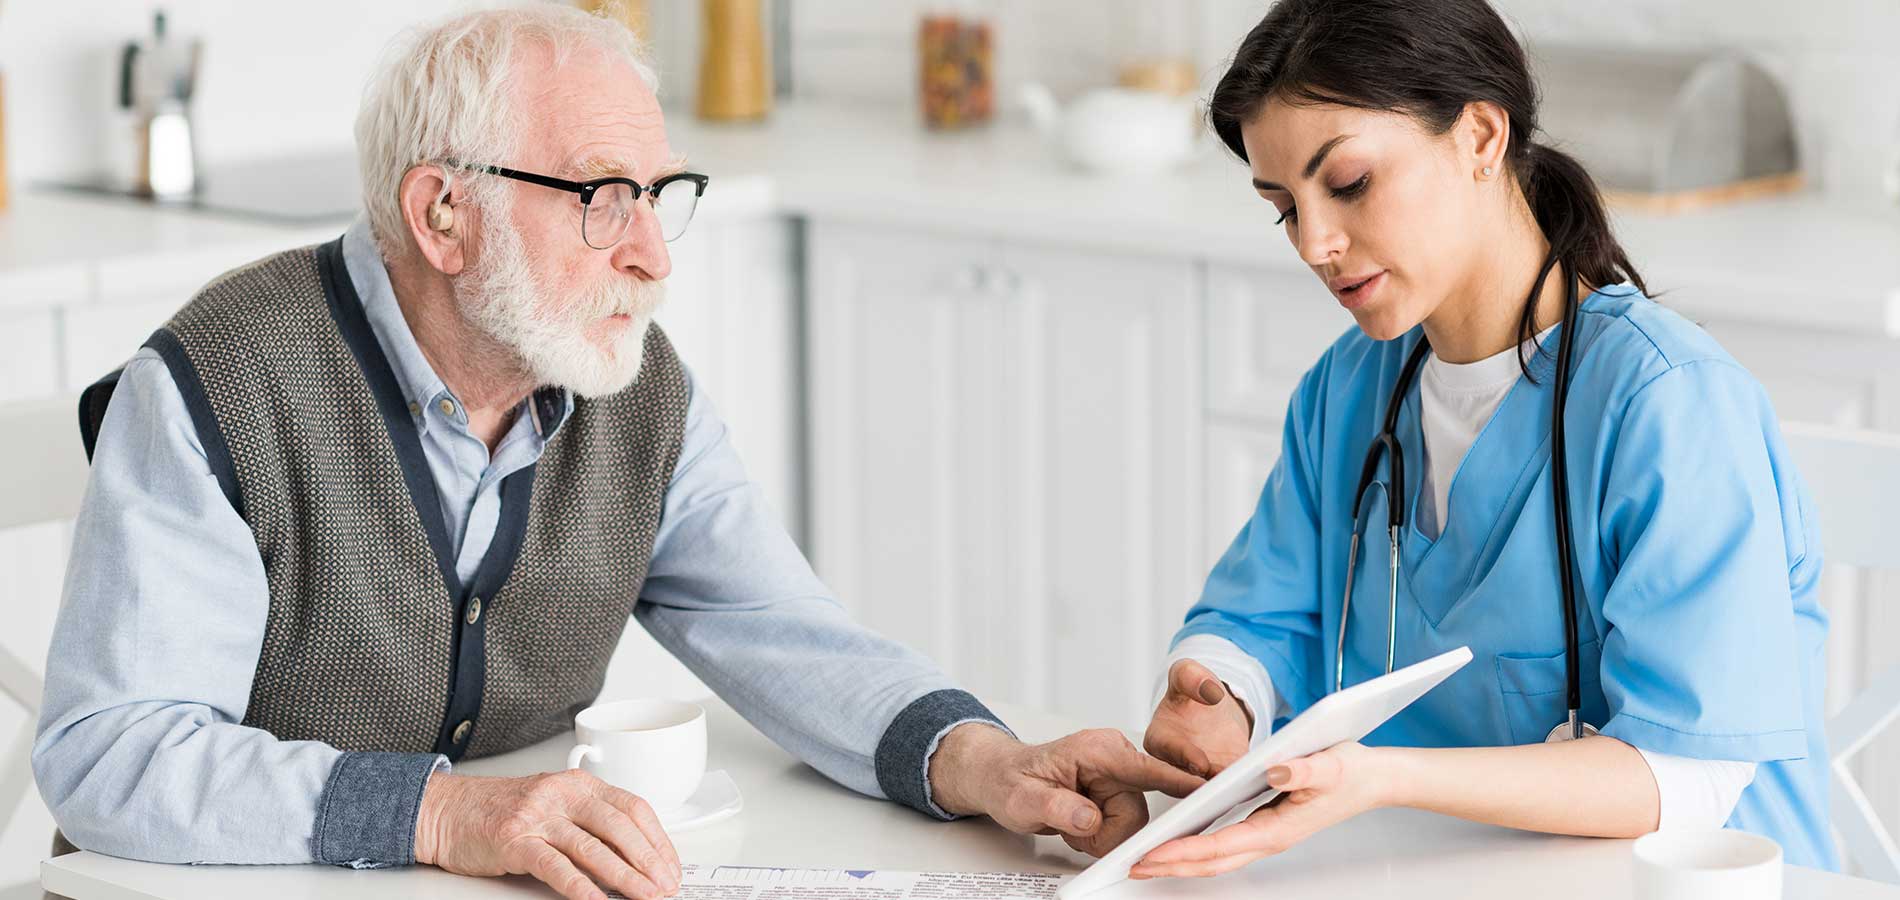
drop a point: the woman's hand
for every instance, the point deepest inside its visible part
(1199, 727)
(1318, 791)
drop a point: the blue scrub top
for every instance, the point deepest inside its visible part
(1697, 545)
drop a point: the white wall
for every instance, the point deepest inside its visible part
(1834, 56)
(282, 78)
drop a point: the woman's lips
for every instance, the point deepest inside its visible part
(1353, 295)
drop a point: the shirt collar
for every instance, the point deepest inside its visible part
(421, 387)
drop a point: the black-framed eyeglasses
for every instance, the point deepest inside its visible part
(607, 203)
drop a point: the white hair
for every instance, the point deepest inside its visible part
(445, 93)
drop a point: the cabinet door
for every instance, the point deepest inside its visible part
(732, 314)
(1265, 327)
(898, 358)
(1005, 458)
(1101, 462)
(1239, 456)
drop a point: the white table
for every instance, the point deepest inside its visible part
(795, 817)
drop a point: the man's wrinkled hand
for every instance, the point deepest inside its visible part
(1088, 786)
(568, 829)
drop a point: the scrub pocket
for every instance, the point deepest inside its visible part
(1532, 689)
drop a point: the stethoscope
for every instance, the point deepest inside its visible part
(1387, 445)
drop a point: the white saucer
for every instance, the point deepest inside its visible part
(716, 800)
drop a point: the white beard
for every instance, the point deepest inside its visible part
(504, 298)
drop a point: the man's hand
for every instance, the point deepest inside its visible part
(561, 827)
(1088, 786)
(1199, 726)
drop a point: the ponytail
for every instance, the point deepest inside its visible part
(1569, 210)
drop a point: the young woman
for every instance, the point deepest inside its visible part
(1635, 577)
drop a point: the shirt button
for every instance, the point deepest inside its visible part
(447, 407)
(474, 611)
(461, 731)
(415, 409)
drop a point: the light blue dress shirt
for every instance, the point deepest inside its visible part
(140, 752)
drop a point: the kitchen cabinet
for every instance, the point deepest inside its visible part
(732, 313)
(1005, 457)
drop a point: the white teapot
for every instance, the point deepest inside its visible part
(1116, 130)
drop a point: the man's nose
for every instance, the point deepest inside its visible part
(642, 251)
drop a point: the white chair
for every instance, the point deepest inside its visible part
(1854, 477)
(42, 478)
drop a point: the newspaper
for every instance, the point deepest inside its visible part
(762, 883)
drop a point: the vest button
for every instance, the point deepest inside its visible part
(474, 611)
(461, 731)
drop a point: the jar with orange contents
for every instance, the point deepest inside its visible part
(956, 55)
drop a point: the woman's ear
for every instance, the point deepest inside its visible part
(1484, 135)
(435, 218)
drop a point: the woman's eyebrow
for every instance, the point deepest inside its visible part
(1312, 165)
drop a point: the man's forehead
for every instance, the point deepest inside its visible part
(594, 116)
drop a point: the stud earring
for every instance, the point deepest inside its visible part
(1487, 171)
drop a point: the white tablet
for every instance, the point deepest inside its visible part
(1241, 788)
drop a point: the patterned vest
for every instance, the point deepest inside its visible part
(372, 640)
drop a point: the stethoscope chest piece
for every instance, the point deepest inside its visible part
(1562, 732)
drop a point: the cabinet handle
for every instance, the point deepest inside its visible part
(1007, 281)
(971, 279)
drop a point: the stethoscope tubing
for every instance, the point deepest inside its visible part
(1386, 444)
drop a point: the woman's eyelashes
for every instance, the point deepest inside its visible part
(1347, 192)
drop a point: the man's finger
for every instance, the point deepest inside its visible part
(595, 857)
(552, 867)
(1191, 679)
(619, 831)
(644, 818)
(1172, 747)
(1141, 772)
(1123, 814)
(1067, 812)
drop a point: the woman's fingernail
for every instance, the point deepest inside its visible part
(1279, 775)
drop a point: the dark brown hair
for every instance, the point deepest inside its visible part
(1427, 59)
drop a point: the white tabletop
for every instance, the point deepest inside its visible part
(794, 817)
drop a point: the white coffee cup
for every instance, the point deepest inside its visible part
(1695, 864)
(654, 749)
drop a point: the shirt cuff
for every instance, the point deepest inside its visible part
(366, 815)
(904, 752)
(1696, 793)
(1244, 676)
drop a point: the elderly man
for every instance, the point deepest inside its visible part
(363, 509)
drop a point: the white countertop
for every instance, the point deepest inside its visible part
(793, 817)
(1794, 260)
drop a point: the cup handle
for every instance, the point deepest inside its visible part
(580, 752)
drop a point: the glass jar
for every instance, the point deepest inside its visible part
(1155, 51)
(956, 54)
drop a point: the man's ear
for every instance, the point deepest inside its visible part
(436, 218)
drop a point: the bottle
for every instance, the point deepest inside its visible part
(1154, 49)
(633, 13)
(735, 76)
